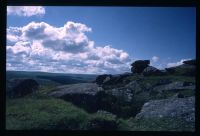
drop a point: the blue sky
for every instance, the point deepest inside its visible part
(119, 35)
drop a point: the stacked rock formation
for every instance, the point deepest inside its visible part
(139, 65)
(142, 67)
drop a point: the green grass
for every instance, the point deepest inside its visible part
(49, 113)
(27, 113)
(184, 71)
(156, 124)
(104, 116)
(99, 121)
(44, 90)
(188, 93)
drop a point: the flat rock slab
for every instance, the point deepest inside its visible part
(182, 108)
(84, 95)
(82, 88)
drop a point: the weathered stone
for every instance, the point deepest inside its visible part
(102, 78)
(123, 94)
(20, 87)
(140, 62)
(116, 79)
(106, 79)
(133, 69)
(148, 71)
(182, 108)
(139, 65)
(138, 86)
(178, 95)
(188, 83)
(163, 82)
(135, 86)
(173, 86)
(82, 88)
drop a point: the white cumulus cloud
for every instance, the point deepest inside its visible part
(39, 46)
(26, 11)
(155, 58)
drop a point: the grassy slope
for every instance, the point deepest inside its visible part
(48, 113)
(27, 113)
(38, 111)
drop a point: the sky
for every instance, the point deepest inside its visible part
(98, 40)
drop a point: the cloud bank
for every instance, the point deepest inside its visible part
(39, 46)
(26, 11)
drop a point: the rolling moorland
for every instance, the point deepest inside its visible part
(146, 99)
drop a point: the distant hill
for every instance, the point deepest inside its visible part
(51, 78)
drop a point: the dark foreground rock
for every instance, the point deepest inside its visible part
(86, 95)
(181, 108)
(183, 70)
(190, 62)
(83, 95)
(97, 124)
(20, 87)
(92, 98)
